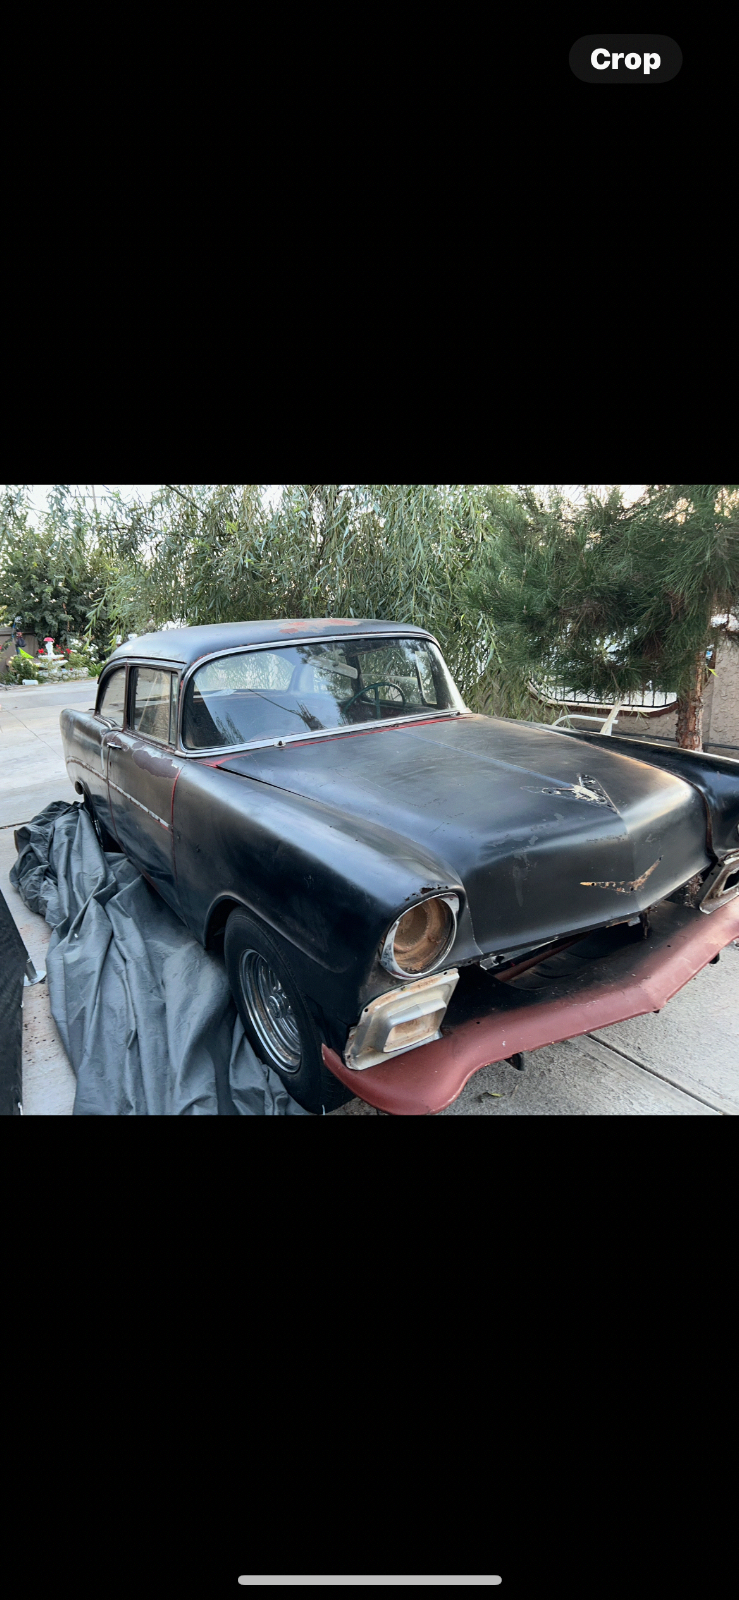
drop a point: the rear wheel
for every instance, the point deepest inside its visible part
(276, 1018)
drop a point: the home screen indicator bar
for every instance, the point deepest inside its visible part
(376, 1581)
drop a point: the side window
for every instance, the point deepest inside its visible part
(113, 697)
(151, 695)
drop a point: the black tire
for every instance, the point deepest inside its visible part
(253, 962)
(107, 842)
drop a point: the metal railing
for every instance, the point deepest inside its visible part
(607, 726)
(648, 700)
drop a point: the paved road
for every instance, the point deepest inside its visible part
(682, 1062)
(32, 774)
(33, 771)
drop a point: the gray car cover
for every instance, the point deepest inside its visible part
(145, 1014)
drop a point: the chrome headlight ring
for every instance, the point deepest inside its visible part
(387, 954)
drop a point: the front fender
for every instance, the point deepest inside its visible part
(716, 779)
(327, 887)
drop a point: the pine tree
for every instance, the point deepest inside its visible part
(610, 599)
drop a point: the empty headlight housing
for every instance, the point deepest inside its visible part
(421, 937)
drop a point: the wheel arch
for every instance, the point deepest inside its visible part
(218, 916)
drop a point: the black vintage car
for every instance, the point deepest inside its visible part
(387, 870)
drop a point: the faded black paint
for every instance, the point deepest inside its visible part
(159, 766)
(141, 782)
(716, 779)
(327, 840)
(464, 789)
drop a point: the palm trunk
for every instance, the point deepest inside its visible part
(689, 732)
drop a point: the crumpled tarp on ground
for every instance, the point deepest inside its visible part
(145, 1014)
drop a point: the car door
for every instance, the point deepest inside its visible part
(86, 736)
(143, 768)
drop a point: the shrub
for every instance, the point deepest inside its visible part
(22, 666)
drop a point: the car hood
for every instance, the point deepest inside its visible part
(544, 835)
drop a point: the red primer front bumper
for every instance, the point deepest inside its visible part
(630, 983)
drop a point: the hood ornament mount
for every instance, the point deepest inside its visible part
(586, 788)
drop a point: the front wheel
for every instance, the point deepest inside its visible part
(276, 1019)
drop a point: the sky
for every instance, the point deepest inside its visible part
(39, 491)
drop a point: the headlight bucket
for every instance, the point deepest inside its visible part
(421, 937)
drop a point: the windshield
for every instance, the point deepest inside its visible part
(269, 694)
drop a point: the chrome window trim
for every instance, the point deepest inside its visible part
(137, 661)
(323, 733)
(164, 666)
(226, 751)
(103, 680)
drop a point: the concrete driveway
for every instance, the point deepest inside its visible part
(684, 1061)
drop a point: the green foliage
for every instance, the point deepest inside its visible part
(607, 598)
(395, 551)
(22, 666)
(222, 552)
(56, 576)
(604, 598)
(51, 575)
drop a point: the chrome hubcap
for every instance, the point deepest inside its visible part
(270, 1011)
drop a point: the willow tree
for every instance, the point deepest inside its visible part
(53, 574)
(398, 551)
(57, 570)
(609, 598)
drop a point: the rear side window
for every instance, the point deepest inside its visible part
(113, 698)
(151, 702)
(264, 669)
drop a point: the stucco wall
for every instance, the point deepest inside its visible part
(720, 710)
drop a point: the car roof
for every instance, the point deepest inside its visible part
(189, 644)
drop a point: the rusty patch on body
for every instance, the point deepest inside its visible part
(310, 626)
(623, 887)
